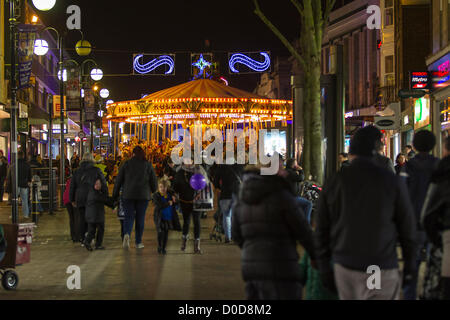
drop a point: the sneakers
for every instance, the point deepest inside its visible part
(164, 252)
(140, 246)
(88, 247)
(126, 241)
(100, 248)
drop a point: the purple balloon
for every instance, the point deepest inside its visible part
(198, 182)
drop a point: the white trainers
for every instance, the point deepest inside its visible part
(126, 241)
(140, 246)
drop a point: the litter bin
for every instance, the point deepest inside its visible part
(17, 251)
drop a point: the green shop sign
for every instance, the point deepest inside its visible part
(22, 125)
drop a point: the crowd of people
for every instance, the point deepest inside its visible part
(365, 213)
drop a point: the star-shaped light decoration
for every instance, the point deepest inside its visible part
(202, 64)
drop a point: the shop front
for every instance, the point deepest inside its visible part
(440, 77)
(407, 128)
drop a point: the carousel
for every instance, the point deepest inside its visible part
(205, 102)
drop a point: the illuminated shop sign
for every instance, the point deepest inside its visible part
(440, 73)
(421, 113)
(419, 80)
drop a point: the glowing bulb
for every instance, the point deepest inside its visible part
(96, 74)
(104, 93)
(64, 75)
(44, 5)
(40, 47)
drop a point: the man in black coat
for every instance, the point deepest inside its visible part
(363, 212)
(418, 172)
(24, 181)
(267, 224)
(82, 182)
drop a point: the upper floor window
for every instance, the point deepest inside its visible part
(388, 13)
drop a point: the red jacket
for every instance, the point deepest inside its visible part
(66, 197)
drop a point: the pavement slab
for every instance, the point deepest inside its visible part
(118, 274)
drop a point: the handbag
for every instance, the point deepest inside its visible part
(205, 200)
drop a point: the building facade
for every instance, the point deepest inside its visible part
(438, 63)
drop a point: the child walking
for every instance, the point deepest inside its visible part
(95, 215)
(165, 215)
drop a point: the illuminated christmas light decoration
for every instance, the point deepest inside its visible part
(152, 65)
(239, 58)
(202, 64)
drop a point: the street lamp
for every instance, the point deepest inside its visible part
(44, 5)
(64, 75)
(96, 74)
(40, 47)
(104, 93)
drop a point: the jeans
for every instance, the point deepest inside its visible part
(306, 205)
(188, 211)
(225, 208)
(134, 210)
(23, 193)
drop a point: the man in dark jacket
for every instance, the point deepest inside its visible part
(24, 180)
(436, 222)
(82, 182)
(267, 224)
(138, 180)
(380, 158)
(418, 172)
(363, 212)
(227, 179)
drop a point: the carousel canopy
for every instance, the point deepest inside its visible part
(208, 100)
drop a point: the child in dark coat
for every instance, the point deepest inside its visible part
(165, 214)
(95, 215)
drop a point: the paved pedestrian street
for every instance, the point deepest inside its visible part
(116, 273)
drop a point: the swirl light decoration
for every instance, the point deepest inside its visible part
(239, 58)
(152, 65)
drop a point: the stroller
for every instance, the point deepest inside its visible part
(217, 231)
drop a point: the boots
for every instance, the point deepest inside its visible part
(183, 243)
(197, 247)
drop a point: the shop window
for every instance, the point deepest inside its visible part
(389, 64)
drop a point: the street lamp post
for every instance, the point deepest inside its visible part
(13, 112)
(42, 50)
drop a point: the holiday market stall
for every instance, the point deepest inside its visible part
(210, 103)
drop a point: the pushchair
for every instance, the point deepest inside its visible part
(217, 231)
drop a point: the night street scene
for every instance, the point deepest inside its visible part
(222, 157)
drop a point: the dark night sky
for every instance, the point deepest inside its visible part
(117, 29)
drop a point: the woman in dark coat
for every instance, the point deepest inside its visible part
(95, 215)
(81, 184)
(165, 215)
(436, 221)
(138, 182)
(266, 225)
